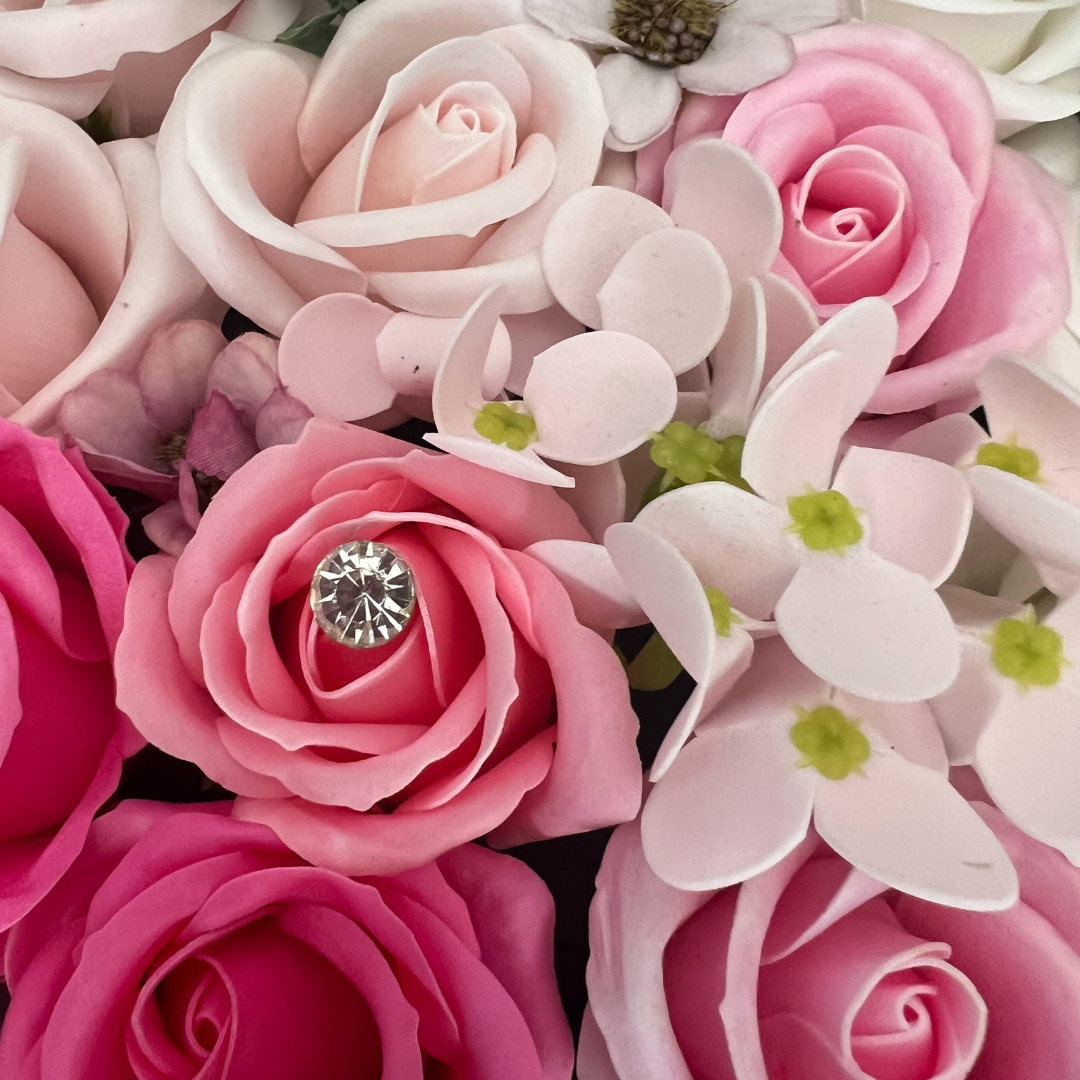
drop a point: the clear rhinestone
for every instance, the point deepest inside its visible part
(363, 594)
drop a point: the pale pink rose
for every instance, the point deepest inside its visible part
(494, 710)
(87, 270)
(185, 944)
(124, 57)
(422, 157)
(813, 971)
(881, 144)
(63, 579)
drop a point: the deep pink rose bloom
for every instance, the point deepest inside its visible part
(813, 971)
(63, 577)
(183, 943)
(881, 144)
(494, 710)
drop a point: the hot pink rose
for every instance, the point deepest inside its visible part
(63, 578)
(123, 56)
(87, 270)
(494, 710)
(184, 943)
(423, 157)
(813, 971)
(881, 144)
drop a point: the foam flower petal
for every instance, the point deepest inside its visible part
(908, 827)
(524, 464)
(718, 190)
(918, 510)
(579, 20)
(733, 540)
(743, 55)
(670, 289)
(1043, 525)
(586, 238)
(748, 801)
(791, 322)
(869, 627)
(738, 361)
(641, 100)
(950, 439)
(327, 357)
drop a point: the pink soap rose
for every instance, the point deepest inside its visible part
(422, 157)
(493, 710)
(124, 57)
(63, 578)
(87, 270)
(183, 943)
(813, 971)
(881, 144)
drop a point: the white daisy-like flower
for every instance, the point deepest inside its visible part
(655, 50)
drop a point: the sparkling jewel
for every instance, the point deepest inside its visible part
(363, 594)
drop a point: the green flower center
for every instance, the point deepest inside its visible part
(1030, 654)
(830, 742)
(666, 34)
(722, 615)
(499, 423)
(1010, 458)
(689, 456)
(825, 521)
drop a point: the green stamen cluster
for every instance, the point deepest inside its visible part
(830, 742)
(655, 666)
(666, 34)
(1010, 458)
(722, 615)
(689, 456)
(499, 423)
(825, 521)
(1030, 654)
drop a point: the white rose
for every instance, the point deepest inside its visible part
(1028, 50)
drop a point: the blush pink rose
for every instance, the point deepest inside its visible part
(87, 270)
(184, 943)
(124, 57)
(881, 144)
(63, 578)
(422, 157)
(813, 971)
(494, 710)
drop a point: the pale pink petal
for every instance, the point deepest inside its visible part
(524, 464)
(869, 627)
(918, 510)
(733, 803)
(595, 397)
(741, 56)
(950, 439)
(738, 361)
(167, 527)
(586, 238)
(714, 188)
(909, 828)
(670, 289)
(734, 540)
(593, 1058)
(600, 597)
(964, 710)
(908, 727)
(280, 420)
(530, 335)
(598, 496)
(173, 370)
(791, 322)
(641, 100)
(579, 20)
(107, 415)
(245, 371)
(1043, 525)
(327, 357)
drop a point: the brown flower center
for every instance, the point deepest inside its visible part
(666, 34)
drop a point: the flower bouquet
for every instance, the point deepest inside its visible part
(540, 538)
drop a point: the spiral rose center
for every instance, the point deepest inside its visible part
(666, 34)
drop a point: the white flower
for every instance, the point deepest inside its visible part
(657, 53)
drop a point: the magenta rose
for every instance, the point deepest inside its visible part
(63, 578)
(495, 709)
(813, 971)
(184, 943)
(881, 144)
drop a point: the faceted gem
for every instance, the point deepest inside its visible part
(505, 426)
(824, 521)
(363, 594)
(666, 34)
(1010, 458)
(830, 742)
(1030, 654)
(722, 615)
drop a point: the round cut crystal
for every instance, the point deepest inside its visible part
(363, 594)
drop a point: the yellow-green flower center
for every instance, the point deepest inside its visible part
(669, 33)
(500, 423)
(830, 742)
(722, 615)
(1030, 654)
(1010, 458)
(824, 521)
(689, 456)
